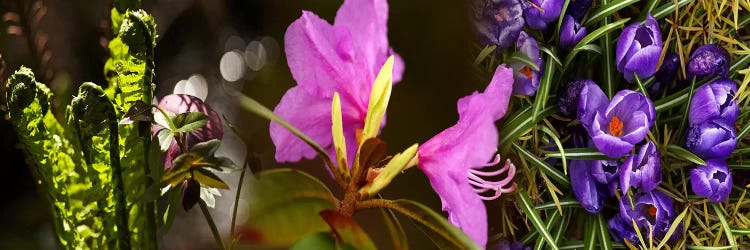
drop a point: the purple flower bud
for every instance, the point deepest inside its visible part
(653, 209)
(587, 190)
(711, 139)
(707, 61)
(568, 101)
(713, 181)
(621, 230)
(525, 79)
(578, 8)
(638, 49)
(666, 73)
(641, 171)
(498, 22)
(625, 122)
(607, 172)
(571, 32)
(539, 13)
(714, 100)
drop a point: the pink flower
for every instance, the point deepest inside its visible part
(452, 158)
(181, 103)
(344, 57)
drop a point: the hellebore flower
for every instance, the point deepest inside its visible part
(641, 171)
(571, 32)
(498, 22)
(539, 13)
(525, 79)
(451, 160)
(344, 57)
(653, 208)
(711, 139)
(638, 49)
(568, 101)
(713, 181)
(591, 180)
(616, 126)
(665, 74)
(578, 8)
(707, 61)
(181, 103)
(714, 100)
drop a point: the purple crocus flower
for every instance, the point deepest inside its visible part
(707, 61)
(714, 100)
(571, 32)
(711, 139)
(539, 13)
(589, 180)
(578, 8)
(498, 22)
(568, 101)
(615, 126)
(641, 171)
(653, 209)
(665, 74)
(525, 79)
(713, 181)
(344, 57)
(638, 49)
(181, 103)
(452, 159)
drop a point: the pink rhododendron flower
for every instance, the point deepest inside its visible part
(344, 57)
(452, 158)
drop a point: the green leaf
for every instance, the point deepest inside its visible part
(564, 203)
(559, 145)
(603, 233)
(520, 124)
(347, 230)
(523, 59)
(527, 206)
(320, 241)
(396, 165)
(209, 179)
(668, 8)
(544, 87)
(579, 154)
(553, 220)
(671, 101)
(444, 234)
(140, 111)
(590, 233)
(173, 207)
(673, 228)
(190, 121)
(725, 225)
(554, 173)
(379, 97)
(289, 196)
(684, 154)
(607, 10)
(484, 53)
(396, 231)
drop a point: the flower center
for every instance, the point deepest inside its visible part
(720, 176)
(615, 126)
(477, 180)
(526, 71)
(652, 210)
(643, 36)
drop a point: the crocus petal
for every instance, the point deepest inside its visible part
(708, 60)
(643, 63)
(611, 146)
(571, 32)
(639, 49)
(711, 139)
(585, 188)
(643, 170)
(713, 181)
(713, 100)
(592, 100)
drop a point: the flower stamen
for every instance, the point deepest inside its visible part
(526, 71)
(499, 187)
(615, 126)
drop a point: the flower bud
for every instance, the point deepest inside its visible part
(638, 49)
(707, 61)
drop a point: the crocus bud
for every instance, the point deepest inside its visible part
(666, 73)
(638, 49)
(714, 100)
(707, 61)
(498, 22)
(568, 101)
(525, 79)
(641, 171)
(571, 32)
(539, 13)
(712, 139)
(589, 192)
(578, 8)
(713, 181)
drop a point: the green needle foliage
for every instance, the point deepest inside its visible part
(95, 171)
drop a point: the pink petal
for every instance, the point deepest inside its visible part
(309, 114)
(316, 54)
(368, 22)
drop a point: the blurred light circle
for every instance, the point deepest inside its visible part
(233, 43)
(196, 86)
(232, 66)
(255, 55)
(179, 88)
(271, 47)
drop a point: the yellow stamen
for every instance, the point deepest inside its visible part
(615, 126)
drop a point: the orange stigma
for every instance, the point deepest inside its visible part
(615, 126)
(652, 210)
(526, 71)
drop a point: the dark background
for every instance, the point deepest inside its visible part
(65, 44)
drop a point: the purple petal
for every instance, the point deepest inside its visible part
(611, 146)
(708, 60)
(624, 43)
(643, 63)
(714, 100)
(571, 32)
(713, 181)
(309, 114)
(585, 188)
(711, 139)
(591, 101)
(642, 171)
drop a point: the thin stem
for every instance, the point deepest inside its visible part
(117, 181)
(210, 220)
(237, 200)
